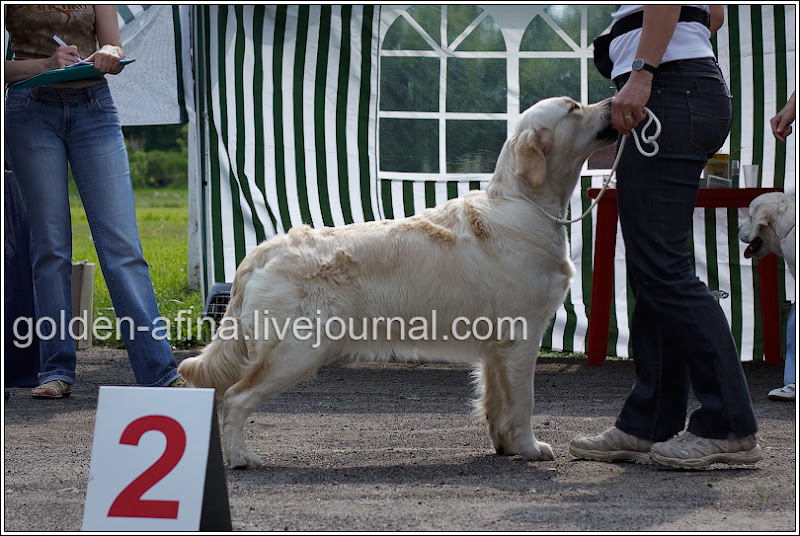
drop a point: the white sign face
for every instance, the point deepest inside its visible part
(148, 459)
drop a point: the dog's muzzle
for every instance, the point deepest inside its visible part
(752, 248)
(608, 133)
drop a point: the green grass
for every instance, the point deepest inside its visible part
(162, 215)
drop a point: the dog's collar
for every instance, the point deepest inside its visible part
(789, 231)
(560, 218)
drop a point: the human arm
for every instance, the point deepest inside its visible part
(657, 28)
(782, 122)
(16, 70)
(106, 59)
(717, 13)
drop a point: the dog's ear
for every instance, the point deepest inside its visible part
(760, 219)
(530, 163)
(784, 217)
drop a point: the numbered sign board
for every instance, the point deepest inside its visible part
(148, 459)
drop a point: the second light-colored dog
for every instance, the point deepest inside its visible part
(771, 228)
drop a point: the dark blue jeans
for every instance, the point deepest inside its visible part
(679, 334)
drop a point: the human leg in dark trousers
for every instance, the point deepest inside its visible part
(680, 336)
(683, 329)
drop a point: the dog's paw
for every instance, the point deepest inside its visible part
(502, 451)
(244, 460)
(540, 452)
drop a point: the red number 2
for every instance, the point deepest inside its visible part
(129, 502)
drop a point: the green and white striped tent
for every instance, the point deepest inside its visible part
(305, 113)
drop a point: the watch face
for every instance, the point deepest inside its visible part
(638, 64)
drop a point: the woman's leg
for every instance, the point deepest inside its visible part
(788, 367)
(100, 166)
(38, 158)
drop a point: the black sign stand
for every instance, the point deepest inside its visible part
(216, 513)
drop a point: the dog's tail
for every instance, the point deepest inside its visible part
(222, 361)
(219, 365)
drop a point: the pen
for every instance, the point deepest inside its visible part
(61, 42)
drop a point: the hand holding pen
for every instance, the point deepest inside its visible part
(105, 60)
(65, 55)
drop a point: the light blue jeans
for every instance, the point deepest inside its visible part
(46, 129)
(788, 366)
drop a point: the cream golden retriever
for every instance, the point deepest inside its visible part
(771, 228)
(488, 254)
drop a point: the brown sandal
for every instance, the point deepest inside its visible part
(52, 389)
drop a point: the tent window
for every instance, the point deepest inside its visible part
(450, 80)
(405, 84)
(540, 78)
(467, 143)
(397, 135)
(476, 85)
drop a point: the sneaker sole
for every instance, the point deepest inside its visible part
(781, 398)
(48, 397)
(642, 458)
(748, 457)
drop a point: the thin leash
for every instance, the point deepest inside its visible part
(647, 139)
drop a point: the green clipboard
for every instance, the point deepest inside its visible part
(65, 74)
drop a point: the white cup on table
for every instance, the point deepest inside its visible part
(750, 176)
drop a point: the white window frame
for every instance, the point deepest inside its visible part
(512, 34)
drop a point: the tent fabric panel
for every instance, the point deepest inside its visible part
(289, 148)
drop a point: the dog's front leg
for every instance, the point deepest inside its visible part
(521, 365)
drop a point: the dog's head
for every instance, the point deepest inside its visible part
(552, 140)
(772, 216)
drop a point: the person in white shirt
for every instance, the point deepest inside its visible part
(781, 128)
(679, 334)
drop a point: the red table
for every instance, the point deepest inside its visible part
(603, 274)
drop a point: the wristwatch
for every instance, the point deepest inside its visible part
(639, 64)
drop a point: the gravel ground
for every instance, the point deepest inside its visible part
(393, 447)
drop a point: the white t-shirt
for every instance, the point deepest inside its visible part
(691, 40)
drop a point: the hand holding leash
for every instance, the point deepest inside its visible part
(648, 139)
(645, 138)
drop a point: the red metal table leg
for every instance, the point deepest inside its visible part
(602, 280)
(770, 310)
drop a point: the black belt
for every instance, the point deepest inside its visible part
(635, 20)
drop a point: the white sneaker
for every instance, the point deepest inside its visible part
(783, 393)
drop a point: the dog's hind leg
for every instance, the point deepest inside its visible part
(284, 366)
(493, 404)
